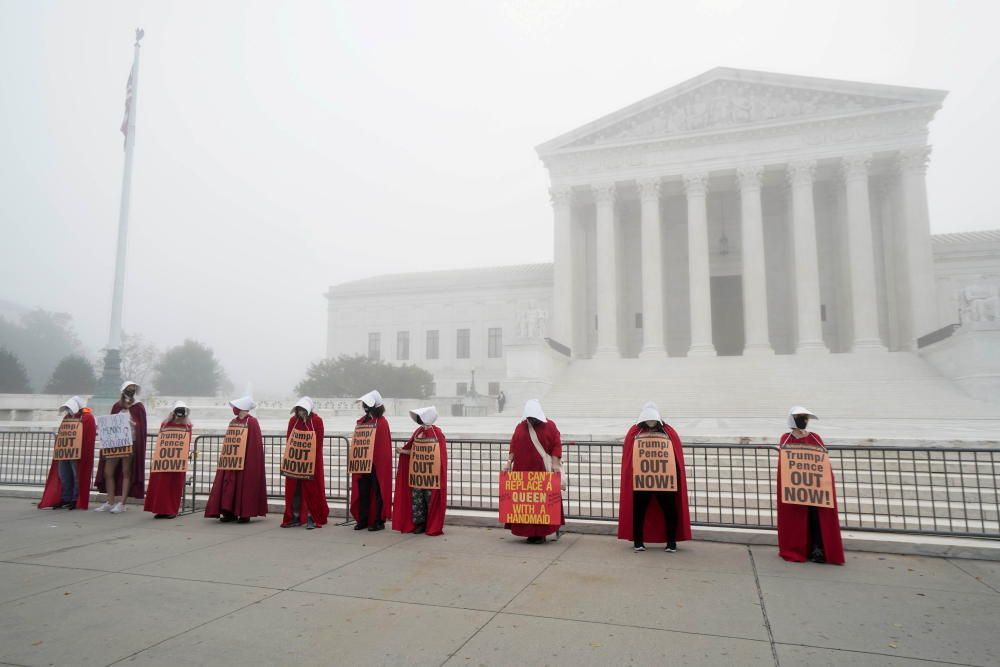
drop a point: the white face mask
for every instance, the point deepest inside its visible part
(652, 423)
(64, 412)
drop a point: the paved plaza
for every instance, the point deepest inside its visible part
(80, 588)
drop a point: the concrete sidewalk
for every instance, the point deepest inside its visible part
(80, 588)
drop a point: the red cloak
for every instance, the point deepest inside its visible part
(653, 526)
(382, 466)
(52, 495)
(138, 481)
(793, 520)
(526, 458)
(242, 492)
(312, 501)
(402, 513)
(166, 488)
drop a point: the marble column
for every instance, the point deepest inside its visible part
(699, 276)
(754, 271)
(861, 254)
(652, 270)
(805, 256)
(918, 253)
(563, 273)
(607, 271)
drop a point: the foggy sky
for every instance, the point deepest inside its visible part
(284, 147)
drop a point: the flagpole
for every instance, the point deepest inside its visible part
(111, 376)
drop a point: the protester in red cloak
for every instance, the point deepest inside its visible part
(371, 493)
(421, 510)
(806, 532)
(125, 475)
(238, 495)
(163, 497)
(524, 456)
(68, 483)
(305, 499)
(653, 516)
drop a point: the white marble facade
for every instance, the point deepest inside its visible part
(736, 213)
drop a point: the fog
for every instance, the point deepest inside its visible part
(285, 147)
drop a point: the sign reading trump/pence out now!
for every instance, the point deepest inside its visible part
(362, 449)
(654, 467)
(233, 453)
(172, 448)
(530, 497)
(299, 461)
(425, 464)
(69, 441)
(806, 476)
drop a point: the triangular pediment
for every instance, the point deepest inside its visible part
(725, 99)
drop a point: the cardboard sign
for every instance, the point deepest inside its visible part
(69, 441)
(115, 435)
(530, 497)
(654, 467)
(362, 449)
(173, 445)
(425, 464)
(299, 459)
(233, 454)
(806, 476)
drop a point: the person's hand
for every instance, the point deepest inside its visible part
(562, 485)
(506, 467)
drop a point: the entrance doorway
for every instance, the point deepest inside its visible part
(727, 315)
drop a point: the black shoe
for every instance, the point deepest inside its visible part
(360, 526)
(59, 505)
(310, 524)
(817, 556)
(226, 517)
(376, 526)
(419, 529)
(71, 505)
(536, 540)
(291, 524)
(160, 516)
(243, 519)
(671, 547)
(169, 516)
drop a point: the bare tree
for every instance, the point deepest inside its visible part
(139, 357)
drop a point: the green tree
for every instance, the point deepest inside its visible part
(189, 369)
(39, 338)
(13, 377)
(352, 376)
(73, 375)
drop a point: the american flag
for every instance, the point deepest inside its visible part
(129, 94)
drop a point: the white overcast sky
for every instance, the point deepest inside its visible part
(286, 146)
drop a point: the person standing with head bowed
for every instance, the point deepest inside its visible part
(68, 483)
(305, 499)
(655, 513)
(239, 494)
(536, 446)
(807, 532)
(421, 509)
(126, 475)
(163, 497)
(371, 492)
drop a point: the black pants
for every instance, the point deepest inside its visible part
(367, 485)
(815, 535)
(667, 500)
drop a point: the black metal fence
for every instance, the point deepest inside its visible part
(939, 491)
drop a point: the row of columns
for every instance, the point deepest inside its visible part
(801, 178)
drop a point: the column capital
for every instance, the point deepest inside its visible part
(696, 184)
(604, 193)
(913, 159)
(649, 188)
(855, 166)
(749, 176)
(801, 172)
(561, 195)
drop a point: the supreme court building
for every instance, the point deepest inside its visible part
(738, 213)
